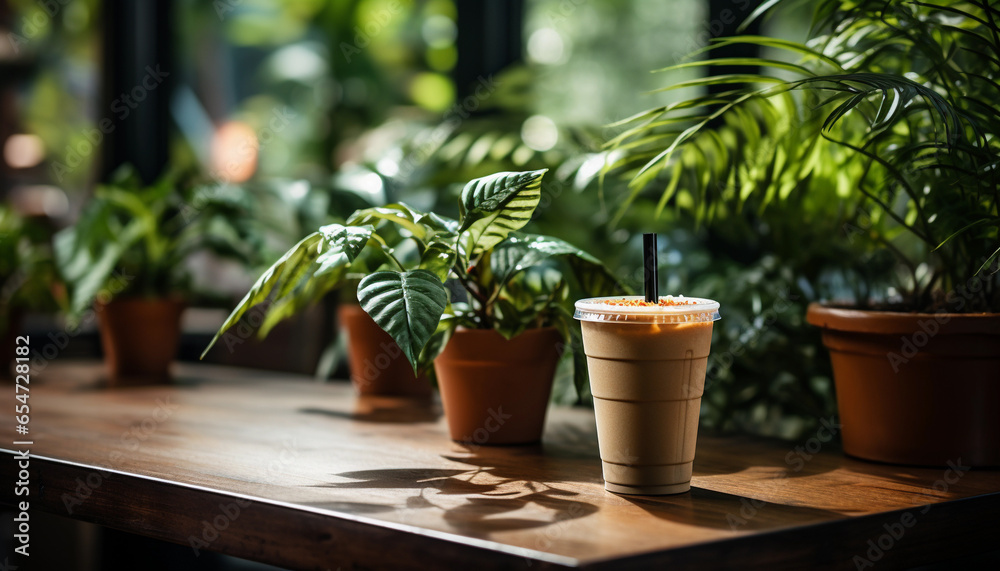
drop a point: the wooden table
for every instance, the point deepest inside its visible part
(283, 470)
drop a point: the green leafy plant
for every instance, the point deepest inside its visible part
(504, 279)
(136, 241)
(27, 272)
(884, 121)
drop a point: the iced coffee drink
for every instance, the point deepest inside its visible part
(647, 365)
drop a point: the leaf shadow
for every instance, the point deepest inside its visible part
(494, 494)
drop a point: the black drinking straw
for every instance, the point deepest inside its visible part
(650, 274)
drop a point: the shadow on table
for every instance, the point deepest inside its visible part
(927, 484)
(387, 410)
(500, 488)
(718, 510)
(730, 454)
(487, 515)
(716, 454)
(572, 441)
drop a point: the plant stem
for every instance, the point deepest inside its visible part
(399, 266)
(482, 302)
(386, 251)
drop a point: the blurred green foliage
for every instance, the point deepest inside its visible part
(135, 240)
(27, 272)
(884, 120)
(60, 45)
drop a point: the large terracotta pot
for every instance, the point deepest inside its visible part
(915, 388)
(494, 390)
(140, 338)
(378, 365)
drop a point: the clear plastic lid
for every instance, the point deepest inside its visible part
(688, 310)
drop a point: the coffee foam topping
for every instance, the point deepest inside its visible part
(635, 309)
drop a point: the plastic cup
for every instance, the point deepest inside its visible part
(647, 374)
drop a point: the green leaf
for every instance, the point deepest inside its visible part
(445, 329)
(439, 256)
(399, 214)
(128, 201)
(302, 275)
(508, 319)
(532, 298)
(87, 263)
(986, 264)
(438, 223)
(595, 279)
(494, 206)
(761, 9)
(522, 251)
(288, 265)
(547, 285)
(668, 193)
(279, 310)
(319, 271)
(728, 79)
(962, 230)
(766, 42)
(744, 61)
(341, 244)
(407, 306)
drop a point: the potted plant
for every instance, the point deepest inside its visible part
(27, 278)
(905, 127)
(377, 365)
(494, 337)
(125, 260)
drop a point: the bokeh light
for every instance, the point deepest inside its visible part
(23, 151)
(546, 46)
(539, 132)
(234, 152)
(432, 91)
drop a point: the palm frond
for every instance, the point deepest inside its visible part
(892, 101)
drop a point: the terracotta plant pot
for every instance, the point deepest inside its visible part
(915, 388)
(494, 390)
(140, 338)
(378, 365)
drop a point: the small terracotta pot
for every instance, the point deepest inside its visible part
(495, 390)
(378, 365)
(140, 338)
(915, 388)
